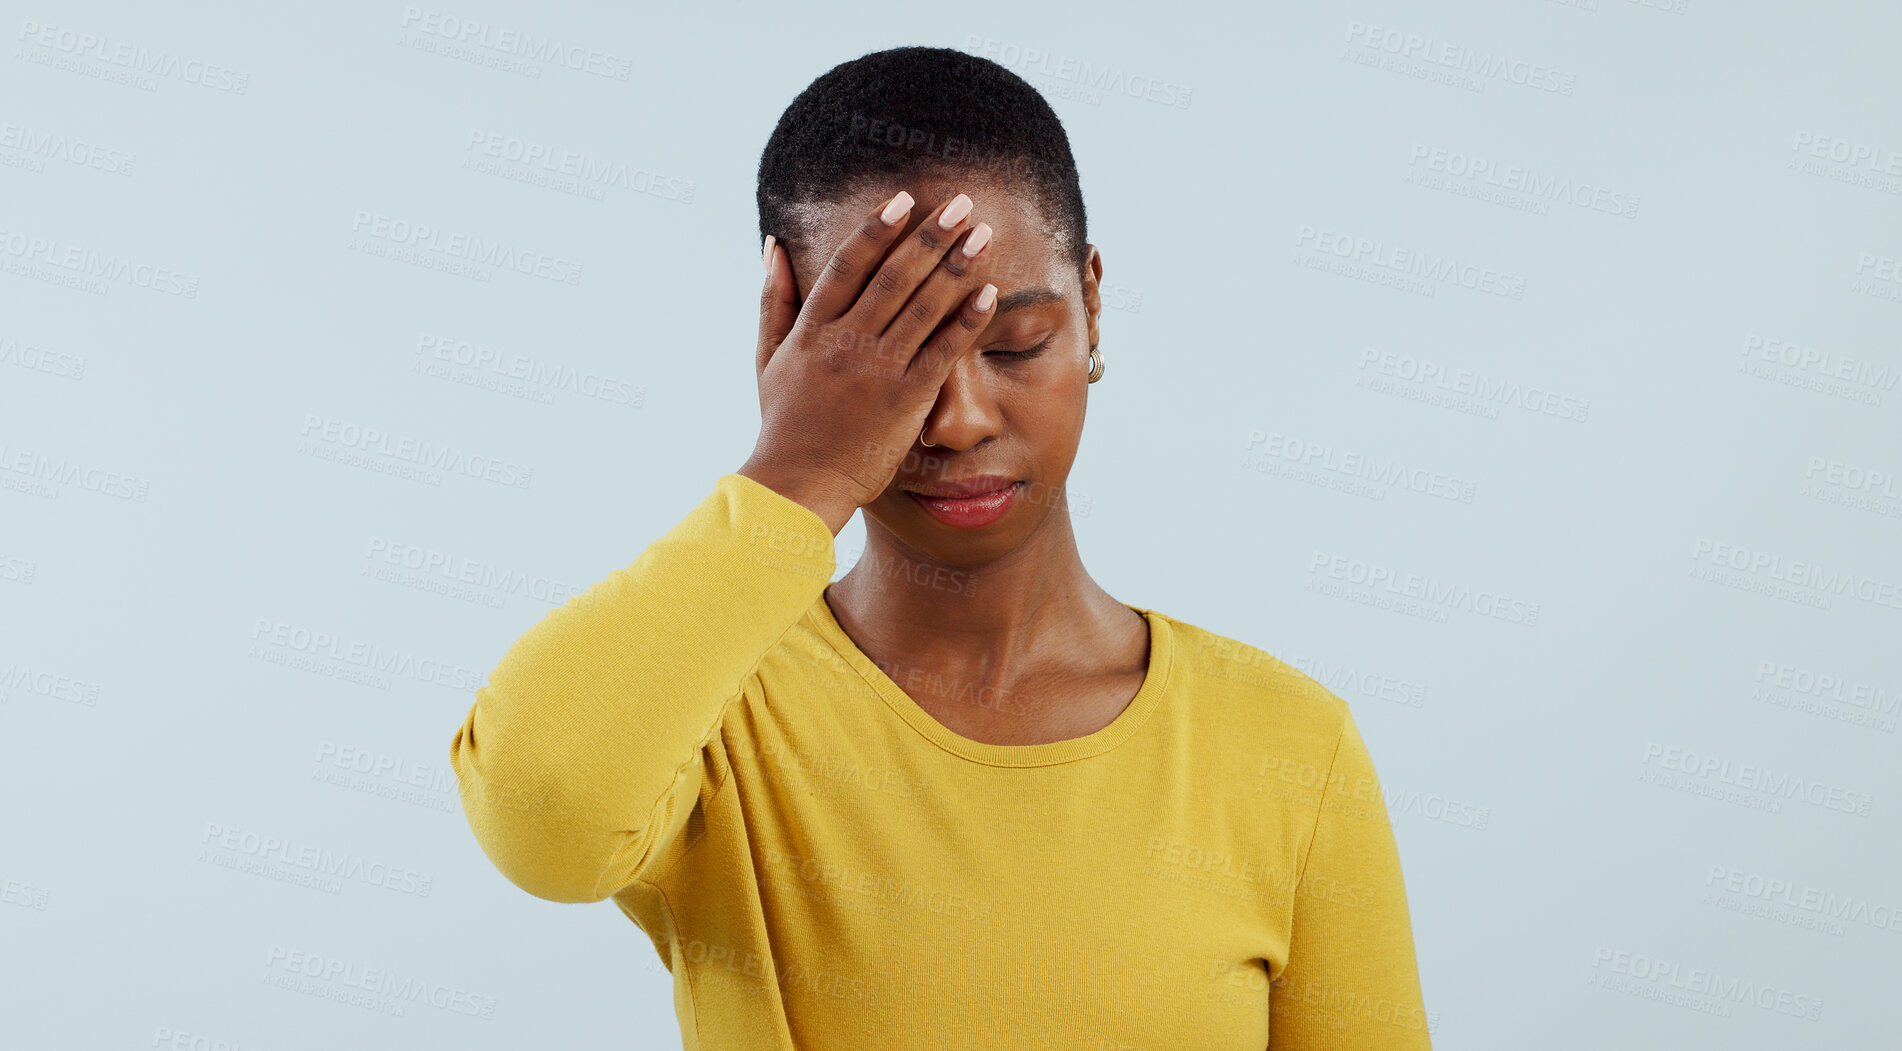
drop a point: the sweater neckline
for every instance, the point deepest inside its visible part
(1127, 722)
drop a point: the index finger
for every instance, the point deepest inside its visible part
(852, 263)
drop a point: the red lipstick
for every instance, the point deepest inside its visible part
(971, 503)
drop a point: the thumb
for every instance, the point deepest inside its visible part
(778, 309)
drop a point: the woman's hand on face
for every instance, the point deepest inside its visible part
(846, 381)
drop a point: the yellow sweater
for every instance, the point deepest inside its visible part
(822, 864)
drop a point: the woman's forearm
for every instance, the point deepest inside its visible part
(580, 759)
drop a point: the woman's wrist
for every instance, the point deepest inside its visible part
(832, 510)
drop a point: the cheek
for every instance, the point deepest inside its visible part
(1064, 362)
(1047, 391)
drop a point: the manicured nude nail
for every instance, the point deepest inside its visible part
(975, 243)
(985, 297)
(955, 212)
(897, 209)
(767, 256)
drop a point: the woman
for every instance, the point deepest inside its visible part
(961, 798)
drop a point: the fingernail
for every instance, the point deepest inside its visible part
(978, 239)
(897, 209)
(955, 212)
(986, 296)
(767, 256)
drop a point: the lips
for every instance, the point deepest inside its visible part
(985, 499)
(962, 489)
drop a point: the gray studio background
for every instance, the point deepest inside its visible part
(1616, 285)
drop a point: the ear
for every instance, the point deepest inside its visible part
(800, 286)
(1092, 291)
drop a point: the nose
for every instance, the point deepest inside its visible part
(966, 413)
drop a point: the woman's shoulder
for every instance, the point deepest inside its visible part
(1268, 726)
(1237, 676)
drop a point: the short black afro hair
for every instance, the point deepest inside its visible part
(918, 111)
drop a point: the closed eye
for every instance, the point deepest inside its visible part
(1022, 355)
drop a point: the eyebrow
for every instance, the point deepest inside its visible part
(1025, 297)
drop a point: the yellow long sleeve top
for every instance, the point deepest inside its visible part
(820, 863)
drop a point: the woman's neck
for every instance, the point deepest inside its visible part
(1032, 608)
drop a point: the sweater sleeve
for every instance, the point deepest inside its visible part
(1351, 982)
(579, 762)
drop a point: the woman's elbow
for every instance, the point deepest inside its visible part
(532, 847)
(540, 842)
